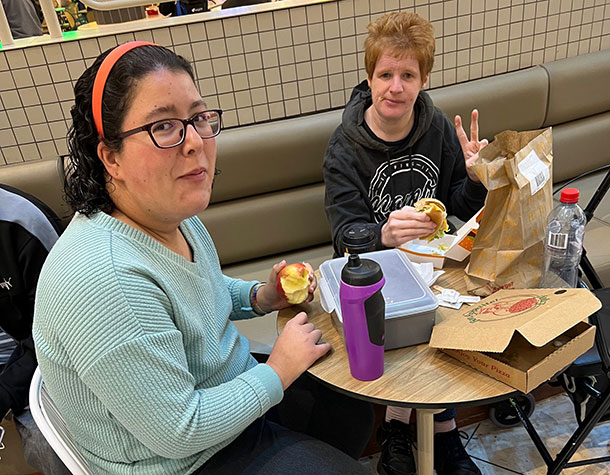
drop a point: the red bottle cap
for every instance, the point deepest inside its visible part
(569, 195)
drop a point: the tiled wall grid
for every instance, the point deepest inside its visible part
(285, 63)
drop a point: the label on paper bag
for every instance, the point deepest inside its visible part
(535, 171)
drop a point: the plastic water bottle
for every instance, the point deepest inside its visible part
(565, 230)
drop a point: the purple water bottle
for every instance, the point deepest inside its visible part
(363, 311)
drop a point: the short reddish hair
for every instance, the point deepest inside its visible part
(400, 34)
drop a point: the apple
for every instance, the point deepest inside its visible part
(293, 283)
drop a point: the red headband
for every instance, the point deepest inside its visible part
(102, 75)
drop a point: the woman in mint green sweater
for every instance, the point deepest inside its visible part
(132, 321)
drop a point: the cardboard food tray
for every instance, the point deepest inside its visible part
(521, 337)
(458, 246)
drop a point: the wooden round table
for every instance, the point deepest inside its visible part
(417, 376)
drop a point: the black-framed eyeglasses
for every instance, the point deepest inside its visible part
(168, 133)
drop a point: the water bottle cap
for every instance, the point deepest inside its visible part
(361, 272)
(569, 195)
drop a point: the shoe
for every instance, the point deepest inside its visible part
(450, 457)
(396, 453)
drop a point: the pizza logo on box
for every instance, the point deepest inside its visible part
(503, 308)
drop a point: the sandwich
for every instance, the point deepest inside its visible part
(437, 213)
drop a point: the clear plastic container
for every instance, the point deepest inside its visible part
(410, 305)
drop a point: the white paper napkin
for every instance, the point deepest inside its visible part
(427, 272)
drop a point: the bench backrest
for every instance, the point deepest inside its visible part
(269, 198)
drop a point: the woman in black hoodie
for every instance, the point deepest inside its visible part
(392, 148)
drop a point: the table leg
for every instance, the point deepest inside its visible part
(425, 440)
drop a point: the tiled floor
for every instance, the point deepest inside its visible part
(510, 451)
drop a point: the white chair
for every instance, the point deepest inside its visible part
(53, 427)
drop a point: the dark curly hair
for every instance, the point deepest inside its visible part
(86, 178)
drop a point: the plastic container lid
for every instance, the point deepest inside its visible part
(569, 195)
(404, 292)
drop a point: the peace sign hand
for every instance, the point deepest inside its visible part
(471, 147)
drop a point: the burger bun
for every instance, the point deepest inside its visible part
(437, 212)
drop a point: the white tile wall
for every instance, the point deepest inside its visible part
(282, 63)
(35, 56)
(13, 118)
(29, 96)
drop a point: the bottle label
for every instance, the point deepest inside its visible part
(535, 171)
(558, 240)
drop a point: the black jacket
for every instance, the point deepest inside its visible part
(366, 179)
(28, 229)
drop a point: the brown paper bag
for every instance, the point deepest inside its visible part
(516, 169)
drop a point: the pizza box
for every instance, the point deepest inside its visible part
(521, 337)
(454, 246)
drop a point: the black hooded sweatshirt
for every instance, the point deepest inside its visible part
(366, 178)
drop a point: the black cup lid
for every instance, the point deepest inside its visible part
(358, 235)
(360, 272)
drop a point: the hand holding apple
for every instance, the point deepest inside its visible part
(293, 283)
(287, 285)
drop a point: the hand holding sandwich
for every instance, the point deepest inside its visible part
(404, 225)
(426, 220)
(472, 146)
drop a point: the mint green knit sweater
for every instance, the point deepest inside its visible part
(137, 351)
